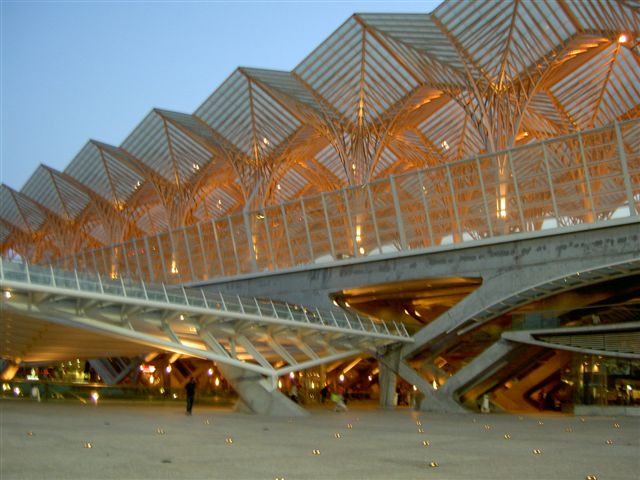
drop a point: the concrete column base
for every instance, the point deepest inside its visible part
(259, 394)
(388, 377)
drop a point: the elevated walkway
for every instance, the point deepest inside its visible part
(43, 309)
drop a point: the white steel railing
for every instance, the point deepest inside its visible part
(583, 178)
(94, 283)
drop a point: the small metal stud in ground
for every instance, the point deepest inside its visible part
(160, 431)
(582, 419)
(433, 464)
(540, 422)
(419, 423)
(426, 443)
(88, 445)
(349, 426)
(207, 422)
(590, 477)
(421, 430)
(609, 442)
(616, 425)
(568, 429)
(279, 478)
(315, 451)
(30, 434)
(537, 451)
(229, 440)
(487, 426)
(337, 435)
(507, 436)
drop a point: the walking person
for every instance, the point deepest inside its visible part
(293, 393)
(190, 388)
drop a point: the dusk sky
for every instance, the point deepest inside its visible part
(74, 71)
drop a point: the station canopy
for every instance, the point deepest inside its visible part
(383, 94)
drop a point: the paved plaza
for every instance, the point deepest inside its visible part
(139, 440)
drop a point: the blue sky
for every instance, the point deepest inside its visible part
(71, 71)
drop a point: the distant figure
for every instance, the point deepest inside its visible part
(190, 388)
(293, 393)
(35, 393)
(324, 393)
(338, 399)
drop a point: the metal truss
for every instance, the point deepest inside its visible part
(383, 95)
(270, 338)
(584, 178)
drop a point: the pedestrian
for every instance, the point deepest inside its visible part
(190, 388)
(293, 393)
(324, 393)
(338, 399)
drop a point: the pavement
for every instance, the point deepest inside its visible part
(138, 440)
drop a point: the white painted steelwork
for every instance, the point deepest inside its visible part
(193, 323)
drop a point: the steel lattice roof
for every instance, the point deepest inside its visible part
(383, 94)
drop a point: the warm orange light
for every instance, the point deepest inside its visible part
(622, 38)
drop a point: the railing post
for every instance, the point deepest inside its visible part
(187, 247)
(326, 219)
(587, 176)
(396, 206)
(484, 198)
(290, 312)
(26, 267)
(275, 311)
(267, 232)
(454, 202)
(552, 191)
(235, 248)
(306, 228)
(205, 263)
(625, 171)
(162, 262)
(285, 223)
(204, 298)
(184, 293)
(240, 303)
(423, 195)
(224, 305)
(100, 283)
(352, 231)
(124, 290)
(144, 289)
(147, 249)
(53, 277)
(217, 240)
(374, 218)
(517, 191)
(249, 233)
